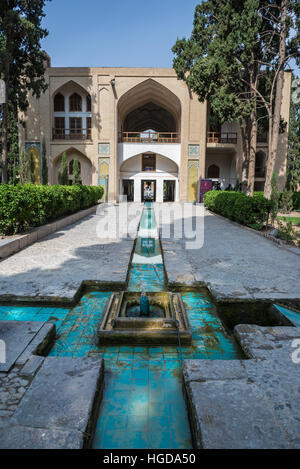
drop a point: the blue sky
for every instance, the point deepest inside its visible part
(132, 33)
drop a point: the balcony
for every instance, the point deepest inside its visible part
(222, 137)
(72, 134)
(149, 137)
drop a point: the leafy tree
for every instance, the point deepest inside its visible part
(279, 42)
(293, 160)
(236, 58)
(76, 173)
(63, 175)
(22, 62)
(44, 163)
(218, 64)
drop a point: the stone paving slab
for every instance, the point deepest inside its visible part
(267, 343)
(15, 382)
(233, 263)
(16, 336)
(62, 394)
(248, 403)
(234, 415)
(19, 437)
(55, 267)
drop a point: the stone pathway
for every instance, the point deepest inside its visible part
(234, 263)
(57, 266)
(249, 404)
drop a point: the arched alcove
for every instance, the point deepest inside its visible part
(149, 105)
(85, 165)
(213, 172)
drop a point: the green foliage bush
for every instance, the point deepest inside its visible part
(250, 211)
(296, 200)
(27, 205)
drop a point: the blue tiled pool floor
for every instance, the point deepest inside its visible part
(143, 385)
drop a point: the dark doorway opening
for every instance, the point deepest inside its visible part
(169, 191)
(148, 191)
(128, 189)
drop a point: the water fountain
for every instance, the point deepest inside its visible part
(140, 318)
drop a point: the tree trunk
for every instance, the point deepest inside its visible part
(275, 119)
(4, 136)
(252, 153)
(5, 126)
(245, 162)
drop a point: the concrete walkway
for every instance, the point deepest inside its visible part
(56, 266)
(234, 263)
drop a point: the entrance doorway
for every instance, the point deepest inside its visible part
(148, 191)
(169, 191)
(128, 189)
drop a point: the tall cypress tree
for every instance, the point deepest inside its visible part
(44, 163)
(63, 175)
(76, 173)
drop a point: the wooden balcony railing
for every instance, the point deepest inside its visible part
(149, 137)
(222, 137)
(72, 134)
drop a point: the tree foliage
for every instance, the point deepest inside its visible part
(235, 58)
(76, 173)
(293, 160)
(44, 163)
(24, 170)
(63, 175)
(22, 62)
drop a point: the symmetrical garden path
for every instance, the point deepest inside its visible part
(234, 262)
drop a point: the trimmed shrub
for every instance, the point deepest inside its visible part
(28, 205)
(250, 211)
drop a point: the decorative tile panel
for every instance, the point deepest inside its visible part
(104, 149)
(194, 150)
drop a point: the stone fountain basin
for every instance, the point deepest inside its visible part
(117, 327)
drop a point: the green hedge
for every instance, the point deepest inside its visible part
(27, 205)
(296, 200)
(249, 211)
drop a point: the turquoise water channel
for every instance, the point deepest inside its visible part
(143, 404)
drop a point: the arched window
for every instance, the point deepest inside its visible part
(59, 103)
(88, 103)
(260, 162)
(71, 167)
(213, 172)
(75, 103)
